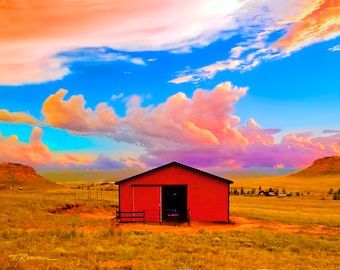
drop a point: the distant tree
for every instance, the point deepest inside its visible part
(242, 191)
(330, 191)
(260, 188)
(283, 191)
(297, 194)
(253, 191)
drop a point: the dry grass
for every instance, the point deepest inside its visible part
(82, 238)
(320, 185)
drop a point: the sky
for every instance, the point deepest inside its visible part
(237, 84)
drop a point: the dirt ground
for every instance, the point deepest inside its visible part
(238, 223)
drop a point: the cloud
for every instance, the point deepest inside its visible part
(115, 97)
(271, 30)
(330, 131)
(320, 23)
(98, 55)
(182, 79)
(335, 48)
(17, 117)
(105, 163)
(39, 34)
(42, 45)
(35, 153)
(72, 114)
(32, 153)
(201, 131)
(152, 59)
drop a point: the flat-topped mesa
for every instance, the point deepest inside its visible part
(22, 175)
(328, 166)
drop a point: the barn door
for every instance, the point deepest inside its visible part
(148, 199)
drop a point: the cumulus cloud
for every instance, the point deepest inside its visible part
(201, 131)
(37, 154)
(33, 153)
(17, 117)
(73, 115)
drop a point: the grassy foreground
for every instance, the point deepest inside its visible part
(34, 237)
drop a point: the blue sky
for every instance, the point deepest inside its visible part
(236, 85)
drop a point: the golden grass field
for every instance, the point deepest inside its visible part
(298, 232)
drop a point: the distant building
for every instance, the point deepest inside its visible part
(173, 191)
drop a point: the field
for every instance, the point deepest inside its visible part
(59, 230)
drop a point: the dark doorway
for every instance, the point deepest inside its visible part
(174, 203)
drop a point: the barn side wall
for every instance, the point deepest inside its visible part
(208, 198)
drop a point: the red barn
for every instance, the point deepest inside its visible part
(174, 191)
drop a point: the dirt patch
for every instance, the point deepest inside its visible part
(63, 208)
(239, 224)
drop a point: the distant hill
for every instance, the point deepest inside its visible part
(328, 166)
(89, 175)
(22, 175)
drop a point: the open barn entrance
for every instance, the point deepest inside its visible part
(174, 203)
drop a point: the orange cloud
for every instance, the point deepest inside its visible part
(34, 152)
(37, 31)
(17, 117)
(203, 120)
(73, 115)
(322, 22)
(200, 130)
(182, 79)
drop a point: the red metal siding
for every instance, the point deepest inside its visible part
(208, 197)
(147, 199)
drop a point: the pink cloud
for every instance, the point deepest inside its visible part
(73, 115)
(17, 117)
(182, 79)
(36, 32)
(200, 130)
(304, 22)
(34, 152)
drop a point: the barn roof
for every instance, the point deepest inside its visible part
(174, 163)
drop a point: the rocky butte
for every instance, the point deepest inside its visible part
(328, 166)
(24, 176)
